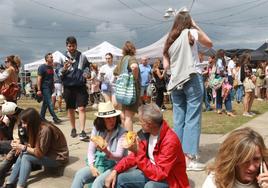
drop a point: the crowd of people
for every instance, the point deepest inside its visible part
(156, 155)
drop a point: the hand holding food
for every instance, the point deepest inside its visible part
(130, 138)
(99, 141)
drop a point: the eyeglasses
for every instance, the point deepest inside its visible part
(6, 61)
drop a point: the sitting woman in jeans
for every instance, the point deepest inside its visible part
(102, 159)
(46, 146)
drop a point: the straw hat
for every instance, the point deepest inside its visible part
(2, 99)
(106, 110)
(9, 108)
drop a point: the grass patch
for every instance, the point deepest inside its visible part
(212, 123)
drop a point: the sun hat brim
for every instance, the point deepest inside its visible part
(104, 115)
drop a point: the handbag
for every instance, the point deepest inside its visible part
(125, 90)
(10, 91)
(215, 82)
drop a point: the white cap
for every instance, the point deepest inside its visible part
(9, 108)
(2, 99)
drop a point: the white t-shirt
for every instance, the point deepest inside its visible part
(231, 65)
(210, 183)
(109, 73)
(194, 49)
(152, 143)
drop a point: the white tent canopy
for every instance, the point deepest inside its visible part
(97, 54)
(34, 65)
(154, 50)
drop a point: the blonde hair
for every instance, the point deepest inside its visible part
(238, 148)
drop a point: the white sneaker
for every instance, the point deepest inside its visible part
(193, 165)
(246, 114)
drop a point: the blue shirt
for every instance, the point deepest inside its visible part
(145, 72)
(47, 74)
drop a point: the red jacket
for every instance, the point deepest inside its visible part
(169, 159)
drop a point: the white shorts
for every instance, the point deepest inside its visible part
(57, 89)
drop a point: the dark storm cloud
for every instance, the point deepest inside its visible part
(30, 28)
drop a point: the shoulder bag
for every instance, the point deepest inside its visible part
(125, 91)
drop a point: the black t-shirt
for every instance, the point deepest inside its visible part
(47, 74)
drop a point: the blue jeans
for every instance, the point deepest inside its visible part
(47, 103)
(134, 178)
(84, 176)
(22, 168)
(187, 110)
(227, 102)
(239, 93)
(205, 98)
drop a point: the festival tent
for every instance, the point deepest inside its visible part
(238, 52)
(258, 55)
(156, 49)
(97, 54)
(34, 65)
(263, 47)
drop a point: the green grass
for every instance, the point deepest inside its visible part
(212, 123)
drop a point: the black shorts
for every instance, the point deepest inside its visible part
(75, 96)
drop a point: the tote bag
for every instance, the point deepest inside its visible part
(125, 91)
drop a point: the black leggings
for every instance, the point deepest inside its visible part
(160, 96)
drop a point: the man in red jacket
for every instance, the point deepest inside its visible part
(156, 156)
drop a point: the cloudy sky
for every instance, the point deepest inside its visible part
(31, 28)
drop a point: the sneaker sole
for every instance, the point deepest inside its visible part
(84, 138)
(194, 169)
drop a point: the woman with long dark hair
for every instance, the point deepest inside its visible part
(160, 83)
(107, 126)
(186, 83)
(46, 146)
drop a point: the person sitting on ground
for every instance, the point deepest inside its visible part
(102, 156)
(9, 116)
(46, 146)
(157, 153)
(239, 162)
(11, 125)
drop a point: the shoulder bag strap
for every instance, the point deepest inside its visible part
(125, 65)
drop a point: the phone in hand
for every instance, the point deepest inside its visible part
(261, 167)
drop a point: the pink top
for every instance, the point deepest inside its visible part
(115, 155)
